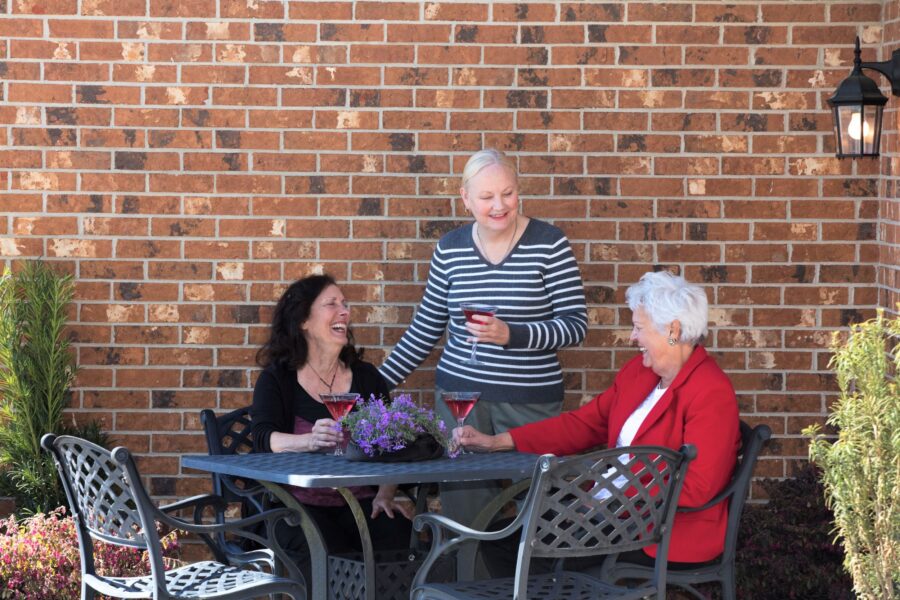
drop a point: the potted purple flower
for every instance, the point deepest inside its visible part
(395, 431)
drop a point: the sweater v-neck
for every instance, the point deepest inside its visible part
(515, 246)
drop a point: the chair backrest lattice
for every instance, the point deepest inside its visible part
(233, 432)
(603, 502)
(229, 434)
(101, 491)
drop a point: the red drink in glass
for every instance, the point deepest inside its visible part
(460, 407)
(471, 309)
(339, 405)
(460, 404)
(339, 408)
(471, 312)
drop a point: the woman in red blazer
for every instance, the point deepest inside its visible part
(673, 393)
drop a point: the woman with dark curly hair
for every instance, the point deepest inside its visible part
(310, 352)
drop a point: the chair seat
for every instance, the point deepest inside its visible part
(198, 580)
(563, 585)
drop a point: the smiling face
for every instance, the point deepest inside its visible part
(657, 354)
(492, 196)
(329, 319)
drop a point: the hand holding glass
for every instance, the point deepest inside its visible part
(339, 405)
(460, 405)
(470, 309)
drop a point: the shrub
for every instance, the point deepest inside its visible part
(39, 558)
(861, 469)
(36, 370)
(786, 549)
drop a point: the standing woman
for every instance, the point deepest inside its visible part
(310, 352)
(527, 269)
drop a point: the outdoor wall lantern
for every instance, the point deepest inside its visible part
(858, 104)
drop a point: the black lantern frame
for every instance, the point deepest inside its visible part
(858, 106)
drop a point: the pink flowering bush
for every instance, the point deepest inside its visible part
(39, 558)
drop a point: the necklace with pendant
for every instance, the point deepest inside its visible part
(322, 379)
(508, 246)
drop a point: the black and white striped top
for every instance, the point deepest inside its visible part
(539, 294)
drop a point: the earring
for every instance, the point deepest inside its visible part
(671, 341)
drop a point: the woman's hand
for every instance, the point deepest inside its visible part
(324, 435)
(472, 439)
(385, 502)
(488, 329)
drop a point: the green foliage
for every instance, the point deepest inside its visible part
(36, 369)
(861, 469)
(785, 548)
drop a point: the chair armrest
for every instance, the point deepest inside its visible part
(196, 502)
(237, 527)
(440, 544)
(246, 492)
(438, 521)
(240, 528)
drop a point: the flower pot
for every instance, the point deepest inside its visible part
(424, 447)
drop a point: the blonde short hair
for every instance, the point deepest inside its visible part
(485, 158)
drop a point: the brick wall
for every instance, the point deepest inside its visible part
(188, 158)
(889, 225)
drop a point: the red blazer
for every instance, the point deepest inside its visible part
(699, 408)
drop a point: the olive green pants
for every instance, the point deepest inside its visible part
(463, 501)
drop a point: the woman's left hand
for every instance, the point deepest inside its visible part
(488, 329)
(386, 502)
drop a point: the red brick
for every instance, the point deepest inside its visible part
(36, 92)
(265, 9)
(515, 55)
(80, 28)
(44, 226)
(455, 11)
(32, 71)
(607, 12)
(180, 53)
(791, 13)
(177, 8)
(524, 12)
(217, 250)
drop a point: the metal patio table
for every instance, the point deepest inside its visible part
(316, 470)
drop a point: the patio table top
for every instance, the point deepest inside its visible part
(305, 469)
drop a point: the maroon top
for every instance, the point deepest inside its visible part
(323, 496)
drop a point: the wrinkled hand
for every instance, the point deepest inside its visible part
(389, 504)
(472, 439)
(324, 435)
(488, 329)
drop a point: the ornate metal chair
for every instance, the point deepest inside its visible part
(722, 569)
(225, 435)
(579, 506)
(110, 505)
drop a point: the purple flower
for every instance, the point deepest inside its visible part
(378, 427)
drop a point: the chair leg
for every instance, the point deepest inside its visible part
(728, 586)
(87, 592)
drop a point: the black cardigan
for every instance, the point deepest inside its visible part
(278, 398)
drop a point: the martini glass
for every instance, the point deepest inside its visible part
(339, 405)
(470, 309)
(460, 405)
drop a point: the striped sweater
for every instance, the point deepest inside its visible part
(539, 294)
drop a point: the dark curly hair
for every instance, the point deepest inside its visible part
(286, 346)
